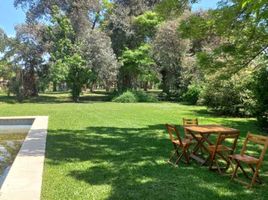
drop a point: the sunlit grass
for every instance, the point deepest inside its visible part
(105, 150)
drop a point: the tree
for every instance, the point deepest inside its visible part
(3, 40)
(145, 25)
(260, 90)
(223, 28)
(168, 50)
(26, 52)
(78, 11)
(137, 65)
(66, 53)
(97, 50)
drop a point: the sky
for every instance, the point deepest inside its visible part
(10, 16)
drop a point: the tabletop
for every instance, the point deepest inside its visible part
(210, 129)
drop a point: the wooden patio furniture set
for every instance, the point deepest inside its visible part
(220, 154)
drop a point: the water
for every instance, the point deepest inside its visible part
(10, 144)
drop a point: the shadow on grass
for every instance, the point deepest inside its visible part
(58, 97)
(132, 162)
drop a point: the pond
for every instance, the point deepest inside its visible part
(11, 139)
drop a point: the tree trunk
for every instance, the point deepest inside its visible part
(145, 86)
(29, 83)
(91, 88)
(54, 86)
(165, 85)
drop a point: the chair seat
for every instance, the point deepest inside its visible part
(183, 142)
(245, 158)
(220, 148)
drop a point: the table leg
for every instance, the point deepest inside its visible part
(198, 146)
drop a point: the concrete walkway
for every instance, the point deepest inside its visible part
(24, 180)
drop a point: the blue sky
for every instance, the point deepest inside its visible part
(10, 16)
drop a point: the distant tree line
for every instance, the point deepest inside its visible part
(217, 58)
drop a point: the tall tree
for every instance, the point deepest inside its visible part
(97, 50)
(3, 40)
(66, 53)
(239, 37)
(26, 52)
(137, 66)
(82, 13)
(168, 50)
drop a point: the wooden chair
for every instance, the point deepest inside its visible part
(179, 144)
(225, 145)
(190, 122)
(254, 163)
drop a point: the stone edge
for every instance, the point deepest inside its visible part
(24, 180)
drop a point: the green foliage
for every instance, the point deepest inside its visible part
(15, 86)
(192, 94)
(258, 8)
(230, 96)
(6, 70)
(218, 33)
(172, 8)
(68, 63)
(77, 76)
(3, 40)
(146, 24)
(195, 27)
(144, 97)
(137, 65)
(134, 96)
(126, 97)
(260, 89)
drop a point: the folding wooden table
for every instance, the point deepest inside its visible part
(205, 131)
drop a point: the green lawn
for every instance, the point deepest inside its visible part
(105, 150)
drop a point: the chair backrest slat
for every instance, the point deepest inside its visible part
(187, 122)
(231, 135)
(171, 131)
(257, 139)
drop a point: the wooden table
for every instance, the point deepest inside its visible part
(205, 131)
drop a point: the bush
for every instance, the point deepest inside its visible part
(260, 90)
(192, 94)
(134, 96)
(144, 97)
(229, 97)
(126, 97)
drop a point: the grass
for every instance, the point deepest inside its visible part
(106, 150)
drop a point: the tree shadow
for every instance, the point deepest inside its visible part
(133, 162)
(58, 97)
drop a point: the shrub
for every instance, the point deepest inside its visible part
(144, 97)
(126, 97)
(192, 94)
(229, 97)
(134, 96)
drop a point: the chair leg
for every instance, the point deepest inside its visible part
(242, 169)
(253, 178)
(258, 179)
(211, 161)
(172, 155)
(235, 171)
(178, 159)
(231, 164)
(186, 155)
